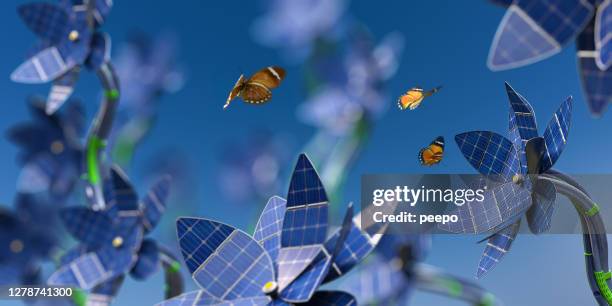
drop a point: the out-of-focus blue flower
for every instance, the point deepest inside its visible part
(295, 25)
(344, 98)
(27, 237)
(252, 169)
(147, 68)
(50, 150)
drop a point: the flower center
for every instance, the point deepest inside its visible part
(57, 147)
(16, 246)
(270, 287)
(74, 35)
(117, 241)
(517, 179)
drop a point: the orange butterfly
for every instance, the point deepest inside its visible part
(413, 97)
(432, 154)
(256, 89)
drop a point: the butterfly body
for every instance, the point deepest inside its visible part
(433, 153)
(413, 97)
(257, 88)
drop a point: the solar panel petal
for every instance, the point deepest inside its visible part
(556, 134)
(226, 262)
(603, 35)
(302, 288)
(497, 246)
(292, 261)
(332, 298)
(61, 90)
(153, 204)
(148, 260)
(48, 21)
(269, 226)
(43, 67)
(377, 282)
(105, 291)
(88, 226)
(540, 213)
(490, 153)
(533, 30)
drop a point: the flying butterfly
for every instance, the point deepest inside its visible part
(413, 97)
(256, 89)
(432, 154)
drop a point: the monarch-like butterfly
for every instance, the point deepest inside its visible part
(432, 154)
(256, 89)
(413, 97)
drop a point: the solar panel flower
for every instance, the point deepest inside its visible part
(23, 246)
(51, 152)
(286, 259)
(533, 30)
(112, 241)
(516, 164)
(396, 269)
(70, 41)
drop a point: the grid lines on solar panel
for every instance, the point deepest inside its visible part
(556, 133)
(603, 36)
(304, 225)
(49, 21)
(89, 227)
(354, 249)
(153, 204)
(303, 287)
(269, 226)
(497, 246)
(377, 280)
(305, 187)
(561, 19)
(199, 238)
(540, 214)
(595, 83)
(46, 65)
(292, 261)
(238, 268)
(489, 153)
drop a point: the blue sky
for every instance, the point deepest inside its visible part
(447, 43)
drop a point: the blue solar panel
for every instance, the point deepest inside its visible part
(357, 245)
(89, 270)
(540, 214)
(102, 8)
(148, 260)
(153, 204)
(497, 246)
(532, 30)
(603, 37)
(124, 199)
(105, 291)
(292, 261)
(556, 134)
(225, 262)
(595, 83)
(377, 282)
(45, 66)
(88, 226)
(490, 153)
(269, 227)
(193, 298)
(61, 90)
(306, 217)
(302, 288)
(48, 21)
(332, 298)
(502, 205)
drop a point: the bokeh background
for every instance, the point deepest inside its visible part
(446, 43)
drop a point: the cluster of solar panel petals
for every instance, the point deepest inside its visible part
(111, 242)
(515, 162)
(533, 30)
(284, 262)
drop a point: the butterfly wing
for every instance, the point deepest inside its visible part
(255, 93)
(411, 99)
(235, 92)
(432, 154)
(269, 77)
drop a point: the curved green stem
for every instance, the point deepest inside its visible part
(172, 275)
(98, 134)
(594, 236)
(431, 279)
